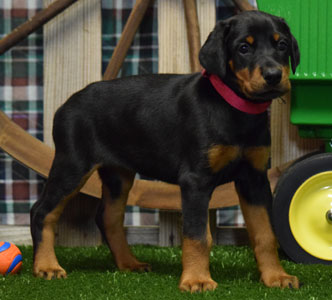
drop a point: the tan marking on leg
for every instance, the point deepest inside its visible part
(220, 155)
(258, 157)
(113, 225)
(46, 264)
(265, 246)
(276, 36)
(196, 275)
(250, 39)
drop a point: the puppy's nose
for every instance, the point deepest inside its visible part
(272, 76)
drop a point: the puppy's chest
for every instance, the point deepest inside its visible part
(219, 156)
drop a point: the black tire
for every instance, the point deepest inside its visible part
(287, 185)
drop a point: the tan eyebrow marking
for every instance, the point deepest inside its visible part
(250, 39)
(276, 37)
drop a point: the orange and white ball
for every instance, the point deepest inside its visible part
(10, 258)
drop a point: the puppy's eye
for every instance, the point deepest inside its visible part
(244, 48)
(282, 46)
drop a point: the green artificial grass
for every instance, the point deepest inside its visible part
(93, 275)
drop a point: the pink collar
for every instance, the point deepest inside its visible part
(233, 99)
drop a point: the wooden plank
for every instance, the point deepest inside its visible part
(142, 235)
(72, 56)
(170, 228)
(161, 195)
(193, 33)
(72, 59)
(41, 17)
(127, 36)
(28, 150)
(172, 33)
(34, 154)
(287, 145)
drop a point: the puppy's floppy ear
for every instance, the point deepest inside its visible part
(294, 54)
(294, 51)
(212, 55)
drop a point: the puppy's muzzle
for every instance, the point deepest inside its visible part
(272, 76)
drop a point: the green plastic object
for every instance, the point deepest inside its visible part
(311, 24)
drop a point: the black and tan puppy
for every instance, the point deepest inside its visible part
(197, 130)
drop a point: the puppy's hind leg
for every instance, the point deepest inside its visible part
(65, 180)
(116, 186)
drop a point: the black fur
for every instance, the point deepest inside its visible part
(163, 126)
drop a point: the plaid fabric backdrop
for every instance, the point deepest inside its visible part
(21, 96)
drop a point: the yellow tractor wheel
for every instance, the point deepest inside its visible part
(302, 210)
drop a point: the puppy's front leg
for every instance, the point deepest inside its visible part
(255, 196)
(197, 240)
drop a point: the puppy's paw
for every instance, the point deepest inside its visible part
(281, 280)
(49, 272)
(135, 267)
(195, 285)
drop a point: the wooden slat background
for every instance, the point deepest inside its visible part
(286, 143)
(172, 33)
(72, 59)
(72, 55)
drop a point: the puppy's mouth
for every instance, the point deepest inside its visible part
(267, 93)
(254, 87)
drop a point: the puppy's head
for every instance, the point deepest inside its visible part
(251, 51)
